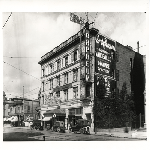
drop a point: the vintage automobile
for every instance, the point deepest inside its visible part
(81, 126)
(36, 125)
(59, 126)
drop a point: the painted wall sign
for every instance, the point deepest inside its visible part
(104, 48)
(105, 43)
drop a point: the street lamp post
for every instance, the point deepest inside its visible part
(54, 116)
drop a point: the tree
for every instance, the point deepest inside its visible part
(98, 100)
(125, 106)
(113, 112)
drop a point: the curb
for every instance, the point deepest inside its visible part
(105, 134)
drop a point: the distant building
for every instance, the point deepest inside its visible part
(24, 109)
(71, 72)
(5, 106)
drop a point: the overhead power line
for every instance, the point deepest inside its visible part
(7, 20)
(21, 70)
(19, 57)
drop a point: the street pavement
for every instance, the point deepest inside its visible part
(99, 136)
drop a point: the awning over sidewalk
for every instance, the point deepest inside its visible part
(58, 112)
(46, 118)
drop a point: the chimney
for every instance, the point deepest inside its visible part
(138, 46)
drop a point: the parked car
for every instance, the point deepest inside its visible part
(81, 126)
(36, 125)
(59, 126)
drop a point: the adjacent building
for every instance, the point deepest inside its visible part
(5, 106)
(24, 109)
(72, 71)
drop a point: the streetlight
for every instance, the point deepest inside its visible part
(54, 116)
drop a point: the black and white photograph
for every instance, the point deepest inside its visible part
(74, 76)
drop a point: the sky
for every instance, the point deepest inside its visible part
(28, 36)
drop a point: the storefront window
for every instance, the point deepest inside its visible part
(72, 112)
(79, 111)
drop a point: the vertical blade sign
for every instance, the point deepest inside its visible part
(87, 55)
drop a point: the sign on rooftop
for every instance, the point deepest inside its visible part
(76, 19)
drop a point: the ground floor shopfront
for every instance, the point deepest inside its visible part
(68, 114)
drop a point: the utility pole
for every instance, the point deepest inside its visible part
(23, 103)
(32, 109)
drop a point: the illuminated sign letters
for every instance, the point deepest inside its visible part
(87, 55)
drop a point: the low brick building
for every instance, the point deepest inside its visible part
(23, 108)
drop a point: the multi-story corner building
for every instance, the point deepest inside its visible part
(71, 73)
(23, 108)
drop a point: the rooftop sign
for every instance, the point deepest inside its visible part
(76, 19)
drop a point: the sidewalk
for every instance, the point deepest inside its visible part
(132, 134)
(137, 134)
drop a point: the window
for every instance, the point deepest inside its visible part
(51, 68)
(117, 56)
(75, 55)
(58, 94)
(66, 60)
(117, 75)
(51, 84)
(75, 92)
(43, 86)
(113, 73)
(79, 111)
(51, 95)
(66, 77)
(75, 75)
(131, 63)
(113, 93)
(43, 99)
(18, 109)
(28, 107)
(112, 55)
(58, 64)
(58, 80)
(71, 111)
(88, 92)
(66, 94)
(43, 72)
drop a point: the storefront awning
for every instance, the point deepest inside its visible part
(46, 118)
(58, 112)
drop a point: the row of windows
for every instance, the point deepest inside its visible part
(60, 63)
(20, 109)
(65, 92)
(51, 81)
